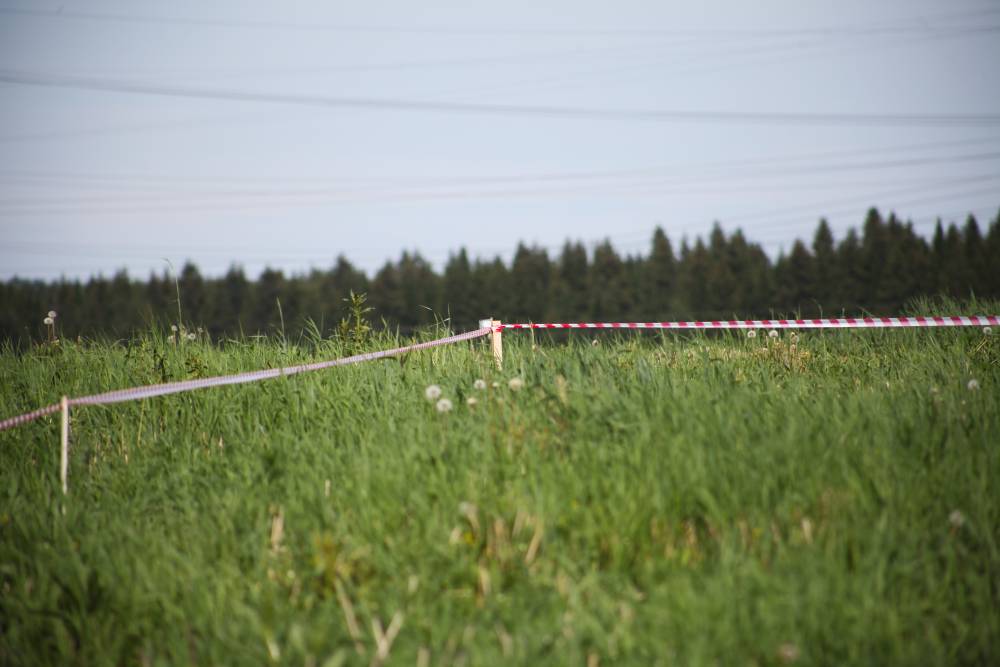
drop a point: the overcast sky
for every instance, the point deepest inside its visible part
(283, 134)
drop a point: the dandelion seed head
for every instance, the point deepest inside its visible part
(788, 653)
(516, 384)
(444, 405)
(53, 314)
(956, 519)
(973, 385)
(173, 327)
(192, 336)
(48, 320)
(595, 342)
(794, 338)
(496, 385)
(752, 333)
(471, 401)
(773, 333)
(432, 392)
(480, 385)
(988, 331)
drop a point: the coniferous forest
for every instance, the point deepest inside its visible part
(876, 269)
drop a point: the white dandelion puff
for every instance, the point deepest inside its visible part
(595, 342)
(973, 385)
(516, 384)
(788, 653)
(432, 392)
(48, 320)
(752, 333)
(173, 327)
(496, 385)
(471, 401)
(794, 338)
(192, 336)
(53, 314)
(988, 331)
(773, 333)
(956, 519)
(479, 385)
(444, 405)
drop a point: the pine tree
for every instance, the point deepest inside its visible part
(975, 256)
(231, 303)
(824, 279)
(608, 297)
(570, 299)
(660, 278)
(459, 297)
(692, 295)
(193, 297)
(265, 316)
(530, 277)
(491, 286)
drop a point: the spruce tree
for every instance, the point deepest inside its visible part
(660, 278)
(459, 294)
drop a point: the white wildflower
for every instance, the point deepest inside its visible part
(479, 384)
(752, 333)
(444, 405)
(433, 392)
(192, 336)
(48, 320)
(773, 333)
(173, 327)
(496, 385)
(988, 331)
(595, 342)
(516, 384)
(956, 519)
(471, 401)
(788, 653)
(973, 385)
(53, 314)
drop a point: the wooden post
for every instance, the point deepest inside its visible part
(496, 342)
(64, 454)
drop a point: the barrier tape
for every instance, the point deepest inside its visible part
(824, 323)
(136, 393)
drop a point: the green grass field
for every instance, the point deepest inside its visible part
(651, 499)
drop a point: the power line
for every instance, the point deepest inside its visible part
(648, 115)
(257, 198)
(915, 24)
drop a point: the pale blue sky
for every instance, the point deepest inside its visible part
(229, 131)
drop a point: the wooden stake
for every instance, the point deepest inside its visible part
(496, 343)
(64, 455)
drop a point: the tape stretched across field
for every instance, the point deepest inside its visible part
(137, 393)
(825, 323)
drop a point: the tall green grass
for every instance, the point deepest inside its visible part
(648, 499)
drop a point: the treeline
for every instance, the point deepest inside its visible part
(875, 270)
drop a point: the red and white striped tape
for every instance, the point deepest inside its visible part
(824, 323)
(136, 393)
